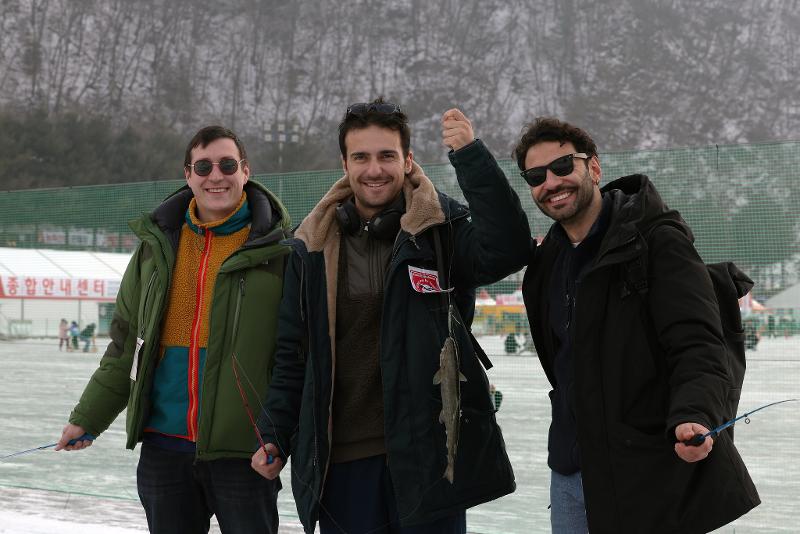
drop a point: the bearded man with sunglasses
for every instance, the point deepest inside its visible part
(633, 375)
(384, 269)
(192, 340)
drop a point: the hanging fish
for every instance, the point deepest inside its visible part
(449, 378)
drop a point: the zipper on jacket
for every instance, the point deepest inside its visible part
(194, 339)
(142, 327)
(302, 290)
(398, 243)
(239, 298)
(309, 362)
(314, 460)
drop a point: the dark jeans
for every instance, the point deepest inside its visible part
(180, 496)
(359, 499)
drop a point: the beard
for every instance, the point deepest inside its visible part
(583, 192)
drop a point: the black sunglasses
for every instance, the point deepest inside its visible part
(362, 108)
(227, 166)
(562, 166)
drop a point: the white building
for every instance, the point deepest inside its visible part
(39, 287)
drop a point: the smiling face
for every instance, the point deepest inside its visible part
(573, 200)
(217, 194)
(375, 167)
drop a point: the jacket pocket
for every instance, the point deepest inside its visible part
(646, 470)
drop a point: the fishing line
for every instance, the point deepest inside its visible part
(296, 476)
(243, 395)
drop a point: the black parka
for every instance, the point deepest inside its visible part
(487, 242)
(643, 365)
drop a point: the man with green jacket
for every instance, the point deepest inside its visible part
(192, 341)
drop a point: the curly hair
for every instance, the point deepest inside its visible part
(551, 129)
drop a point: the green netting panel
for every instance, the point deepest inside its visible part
(740, 201)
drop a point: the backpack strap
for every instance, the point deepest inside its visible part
(729, 284)
(635, 277)
(635, 270)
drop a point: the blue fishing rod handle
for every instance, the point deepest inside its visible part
(85, 437)
(695, 441)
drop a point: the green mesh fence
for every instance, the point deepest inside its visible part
(741, 202)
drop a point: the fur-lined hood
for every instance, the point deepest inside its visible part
(423, 209)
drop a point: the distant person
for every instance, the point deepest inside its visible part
(87, 336)
(497, 396)
(633, 375)
(63, 334)
(192, 342)
(511, 345)
(527, 343)
(363, 321)
(785, 325)
(752, 331)
(74, 332)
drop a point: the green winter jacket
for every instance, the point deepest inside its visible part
(243, 322)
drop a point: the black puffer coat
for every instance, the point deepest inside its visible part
(641, 367)
(486, 243)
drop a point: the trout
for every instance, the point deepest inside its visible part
(449, 378)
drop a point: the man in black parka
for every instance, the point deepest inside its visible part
(363, 318)
(632, 375)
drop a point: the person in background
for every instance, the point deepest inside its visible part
(63, 334)
(511, 344)
(74, 332)
(497, 396)
(87, 336)
(192, 341)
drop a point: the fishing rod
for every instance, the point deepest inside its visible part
(698, 439)
(85, 437)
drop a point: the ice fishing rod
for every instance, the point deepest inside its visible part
(698, 439)
(85, 437)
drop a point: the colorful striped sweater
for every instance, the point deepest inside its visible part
(202, 249)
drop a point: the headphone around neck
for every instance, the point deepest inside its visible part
(384, 225)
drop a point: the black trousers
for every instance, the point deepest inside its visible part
(359, 499)
(180, 496)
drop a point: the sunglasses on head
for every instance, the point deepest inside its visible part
(362, 108)
(562, 166)
(227, 166)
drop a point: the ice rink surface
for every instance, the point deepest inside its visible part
(94, 491)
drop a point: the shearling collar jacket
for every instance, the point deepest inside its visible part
(482, 244)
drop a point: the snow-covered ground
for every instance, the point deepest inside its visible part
(94, 491)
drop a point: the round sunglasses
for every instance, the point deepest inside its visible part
(535, 176)
(227, 166)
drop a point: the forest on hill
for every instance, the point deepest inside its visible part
(109, 91)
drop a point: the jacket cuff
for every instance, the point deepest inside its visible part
(470, 154)
(88, 426)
